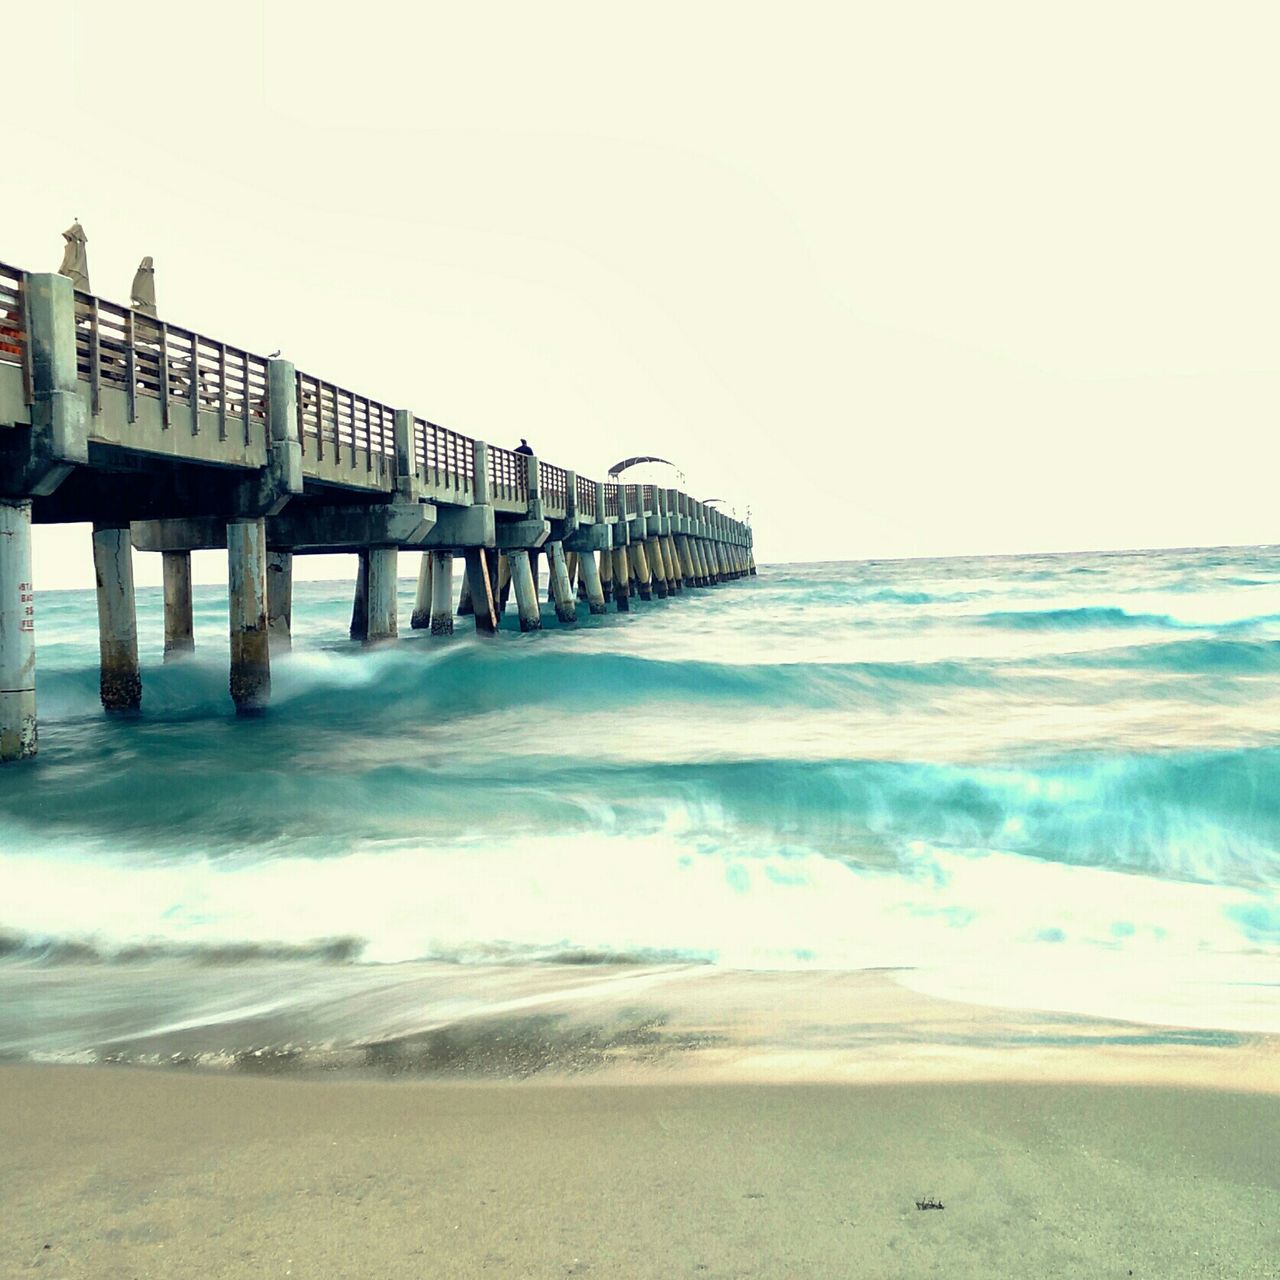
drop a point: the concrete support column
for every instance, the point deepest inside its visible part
(689, 551)
(121, 684)
(17, 633)
(751, 562)
(480, 590)
(575, 576)
(501, 580)
(669, 566)
(605, 573)
(640, 570)
(526, 591)
(280, 600)
(359, 629)
(383, 620)
(179, 628)
(675, 568)
(247, 591)
(441, 591)
(422, 601)
(688, 570)
(534, 571)
(561, 587)
(699, 550)
(657, 568)
(621, 580)
(590, 572)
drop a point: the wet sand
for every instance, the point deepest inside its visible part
(110, 1172)
(666, 1123)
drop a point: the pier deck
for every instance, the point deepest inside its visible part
(169, 441)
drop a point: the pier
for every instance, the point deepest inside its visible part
(169, 441)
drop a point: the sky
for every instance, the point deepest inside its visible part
(899, 279)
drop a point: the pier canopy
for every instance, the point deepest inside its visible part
(627, 463)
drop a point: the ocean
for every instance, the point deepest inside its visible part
(1042, 782)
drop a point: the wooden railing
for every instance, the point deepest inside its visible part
(338, 425)
(117, 347)
(141, 356)
(447, 459)
(508, 475)
(553, 484)
(14, 345)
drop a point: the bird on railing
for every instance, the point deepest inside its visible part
(275, 355)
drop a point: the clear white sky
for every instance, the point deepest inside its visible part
(905, 278)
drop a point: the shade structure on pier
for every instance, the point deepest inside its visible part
(75, 257)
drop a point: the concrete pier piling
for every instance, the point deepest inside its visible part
(480, 590)
(639, 565)
(501, 581)
(179, 627)
(604, 571)
(121, 683)
(526, 591)
(575, 575)
(561, 588)
(247, 592)
(699, 567)
(17, 633)
(383, 620)
(671, 564)
(441, 592)
(359, 629)
(533, 572)
(621, 580)
(465, 609)
(280, 600)
(704, 559)
(657, 568)
(422, 601)
(687, 570)
(590, 572)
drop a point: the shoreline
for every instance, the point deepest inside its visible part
(607, 1024)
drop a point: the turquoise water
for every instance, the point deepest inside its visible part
(1049, 781)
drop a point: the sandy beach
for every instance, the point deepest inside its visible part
(736, 1156)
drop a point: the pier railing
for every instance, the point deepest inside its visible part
(508, 477)
(140, 356)
(553, 483)
(191, 383)
(342, 427)
(446, 459)
(14, 345)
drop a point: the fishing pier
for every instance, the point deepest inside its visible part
(168, 441)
